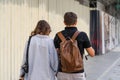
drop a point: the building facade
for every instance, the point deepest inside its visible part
(19, 17)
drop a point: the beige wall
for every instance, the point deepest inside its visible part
(19, 17)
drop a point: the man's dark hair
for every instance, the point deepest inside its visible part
(70, 18)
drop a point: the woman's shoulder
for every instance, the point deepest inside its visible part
(37, 38)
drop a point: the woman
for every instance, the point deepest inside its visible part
(43, 60)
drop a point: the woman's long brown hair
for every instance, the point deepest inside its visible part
(42, 27)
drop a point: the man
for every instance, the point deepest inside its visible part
(70, 20)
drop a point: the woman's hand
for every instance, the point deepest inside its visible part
(21, 78)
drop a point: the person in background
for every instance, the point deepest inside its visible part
(70, 21)
(43, 59)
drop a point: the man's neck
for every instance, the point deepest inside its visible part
(70, 25)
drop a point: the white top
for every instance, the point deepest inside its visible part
(43, 59)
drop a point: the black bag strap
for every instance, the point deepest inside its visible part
(28, 49)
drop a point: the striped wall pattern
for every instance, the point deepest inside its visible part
(19, 17)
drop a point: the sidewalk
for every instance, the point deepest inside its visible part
(104, 67)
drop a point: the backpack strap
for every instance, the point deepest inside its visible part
(75, 35)
(61, 36)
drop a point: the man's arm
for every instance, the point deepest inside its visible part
(90, 51)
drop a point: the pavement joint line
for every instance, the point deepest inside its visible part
(99, 78)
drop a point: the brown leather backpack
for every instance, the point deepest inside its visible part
(71, 60)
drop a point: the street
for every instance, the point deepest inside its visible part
(104, 67)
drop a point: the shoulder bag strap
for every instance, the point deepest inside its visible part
(28, 49)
